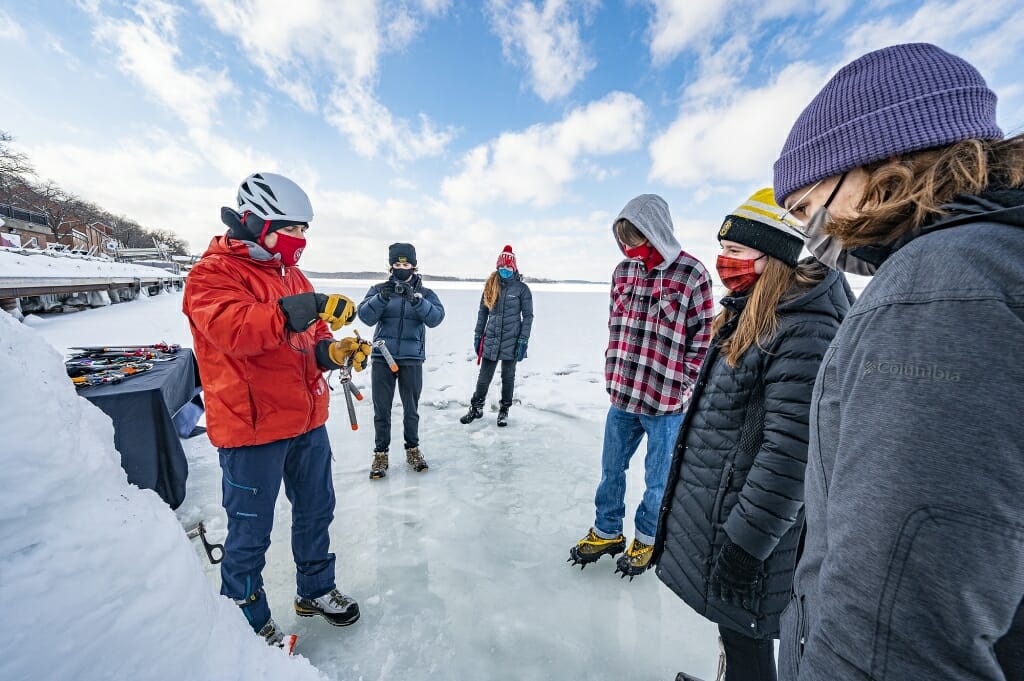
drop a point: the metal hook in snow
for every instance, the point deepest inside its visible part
(200, 531)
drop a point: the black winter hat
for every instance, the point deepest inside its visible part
(402, 252)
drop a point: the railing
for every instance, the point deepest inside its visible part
(24, 215)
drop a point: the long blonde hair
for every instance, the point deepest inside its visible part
(491, 290)
(759, 321)
(902, 193)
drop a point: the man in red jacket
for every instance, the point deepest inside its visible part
(262, 343)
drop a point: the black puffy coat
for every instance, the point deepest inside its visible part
(509, 320)
(738, 465)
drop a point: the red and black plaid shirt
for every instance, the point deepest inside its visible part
(659, 328)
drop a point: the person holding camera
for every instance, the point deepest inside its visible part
(401, 308)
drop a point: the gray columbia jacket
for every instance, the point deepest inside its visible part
(913, 563)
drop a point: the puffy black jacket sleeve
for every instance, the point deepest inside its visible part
(773, 493)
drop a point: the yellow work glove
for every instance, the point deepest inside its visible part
(336, 310)
(359, 350)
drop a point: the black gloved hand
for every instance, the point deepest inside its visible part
(386, 290)
(302, 309)
(408, 292)
(734, 576)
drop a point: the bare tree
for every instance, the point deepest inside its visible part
(174, 243)
(14, 167)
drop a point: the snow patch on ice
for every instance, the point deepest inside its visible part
(98, 578)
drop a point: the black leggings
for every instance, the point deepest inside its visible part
(483, 382)
(746, 658)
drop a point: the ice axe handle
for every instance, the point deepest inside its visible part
(380, 345)
(351, 406)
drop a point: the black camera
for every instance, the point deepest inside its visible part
(401, 289)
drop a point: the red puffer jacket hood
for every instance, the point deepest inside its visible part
(262, 381)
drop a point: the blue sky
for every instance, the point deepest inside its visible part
(459, 126)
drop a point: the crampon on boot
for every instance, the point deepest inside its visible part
(276, 638)
(379, 467)
(591, 548)
(502, 416)
(475, 412)
(635, 560)
(335, 607)
(414, 457)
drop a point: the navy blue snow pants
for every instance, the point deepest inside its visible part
(251, 479)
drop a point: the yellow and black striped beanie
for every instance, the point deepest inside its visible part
(758, 223)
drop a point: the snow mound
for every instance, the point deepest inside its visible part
(97, 578)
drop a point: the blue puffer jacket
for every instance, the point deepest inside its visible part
(399, 323)
(510, 320)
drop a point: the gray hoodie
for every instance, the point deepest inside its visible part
(649, 214)
(913, 566)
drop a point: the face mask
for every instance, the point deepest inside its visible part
(505, 273)
(401, 275)
(737, 274)
(828, 250)
(288, 247)
(641, 252)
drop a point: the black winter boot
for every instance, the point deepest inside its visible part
(475, 412)
(502, 416)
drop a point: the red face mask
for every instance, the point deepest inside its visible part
(646, 253)
(737, 274)
(288, 247)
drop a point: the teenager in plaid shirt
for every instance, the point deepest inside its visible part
(659, 328)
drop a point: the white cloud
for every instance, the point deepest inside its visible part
(736, 138)
(549, 39)
(534, 165)
(9, 28)
(148, 51)
(932, 22)
(371, 128)
(722, 70)
(303, 42)
(153, 177)
(678, 24)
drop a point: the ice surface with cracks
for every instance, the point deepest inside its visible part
(460, 571)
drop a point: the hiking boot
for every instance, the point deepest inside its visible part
(379, 467)
(473, 414)
(592, 547)
(502, 416)
(635, 560)
(335, 607)
(272, 634)
(275, 637)
(415, 459)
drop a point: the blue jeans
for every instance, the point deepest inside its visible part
(622, 434)
(251, 480)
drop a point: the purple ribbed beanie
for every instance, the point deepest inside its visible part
(892, 101)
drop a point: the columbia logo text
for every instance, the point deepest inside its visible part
(931, 372)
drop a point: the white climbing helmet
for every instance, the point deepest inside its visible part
(274, 197)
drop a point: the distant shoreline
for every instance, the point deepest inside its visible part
(380, 276)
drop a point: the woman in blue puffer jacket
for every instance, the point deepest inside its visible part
(502, 333)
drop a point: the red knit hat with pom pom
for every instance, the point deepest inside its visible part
(507, 259)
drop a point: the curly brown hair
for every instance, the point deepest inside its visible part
(903, 193)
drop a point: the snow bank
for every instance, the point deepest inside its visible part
(97, 578)
(43, 264)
